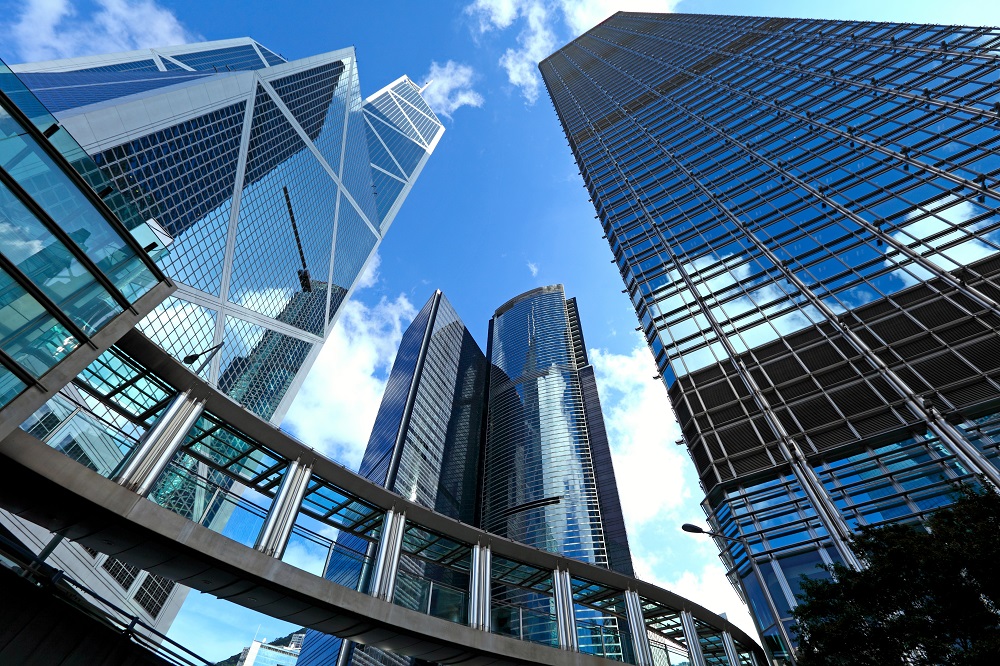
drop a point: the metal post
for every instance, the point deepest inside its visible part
(730, 647)
(474, 592)
(280, 520)
(637, 629)
(387, 558)
(691, 638)
(157, 447)
(479, 587)
(565, 614)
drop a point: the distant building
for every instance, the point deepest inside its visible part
(512, 441)
(262, 653)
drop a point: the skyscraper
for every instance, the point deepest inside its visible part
(272, 182)
(262, 187)
(512, 441)
(804, 215)
(541, 485)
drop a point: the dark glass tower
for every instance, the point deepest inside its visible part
(425, 446)
(512, 441)
(804, 214)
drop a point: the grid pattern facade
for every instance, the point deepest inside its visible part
(538, 480)
(425, 446)
(260, 172)
(68, 265)
(804, 214)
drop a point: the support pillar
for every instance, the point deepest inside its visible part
(157, 447)
(691, 638)
(479, 588)
(387, 558)
(565, 613)
(637, 629)
(277, 528)
(730, 646)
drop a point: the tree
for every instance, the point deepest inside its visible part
(928, 595)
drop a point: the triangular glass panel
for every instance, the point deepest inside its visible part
(286, 222)
(318, 100)
(411, 95)
(387, 190)
(387, 109)
(270, 56)
(428, 128)
(406, 152)
(379, 155)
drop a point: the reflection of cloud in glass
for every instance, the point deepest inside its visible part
(946, 226)
(750, 332)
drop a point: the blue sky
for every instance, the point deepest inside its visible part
(499, 209)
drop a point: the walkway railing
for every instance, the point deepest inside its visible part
(196, 456)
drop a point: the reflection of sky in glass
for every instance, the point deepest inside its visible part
(792, 156)
(537, 447)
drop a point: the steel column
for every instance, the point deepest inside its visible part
(277, 528)
(637, 629)
(159, 444)
(730, 647)
(691, 638)
(565, 614)
(479, 588)
(387, 558)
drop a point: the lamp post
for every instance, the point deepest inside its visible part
(696, 529)
(211, 351)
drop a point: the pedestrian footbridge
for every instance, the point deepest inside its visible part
(174, 477)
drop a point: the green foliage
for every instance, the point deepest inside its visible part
(929, 594)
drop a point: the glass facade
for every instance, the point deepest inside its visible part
(68, 266)
(538, 482)
(804, 214)
(424, 446)
(515, 444)
(273, 183)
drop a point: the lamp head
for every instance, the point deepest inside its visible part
(191, 358)
(694, 529)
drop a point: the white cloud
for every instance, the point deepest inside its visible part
(707, 587)
(657, 485)
(51, 29)
(336, 407)
(642, 432)
(544, 25)
(450, 88)
(533, 268)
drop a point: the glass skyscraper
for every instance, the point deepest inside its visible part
(541, 485)
(512, 441)
(425, 446)
(804, 214)
(260, 186)
(271, 183)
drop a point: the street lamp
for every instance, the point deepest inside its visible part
(697, 529)
(211, 351)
